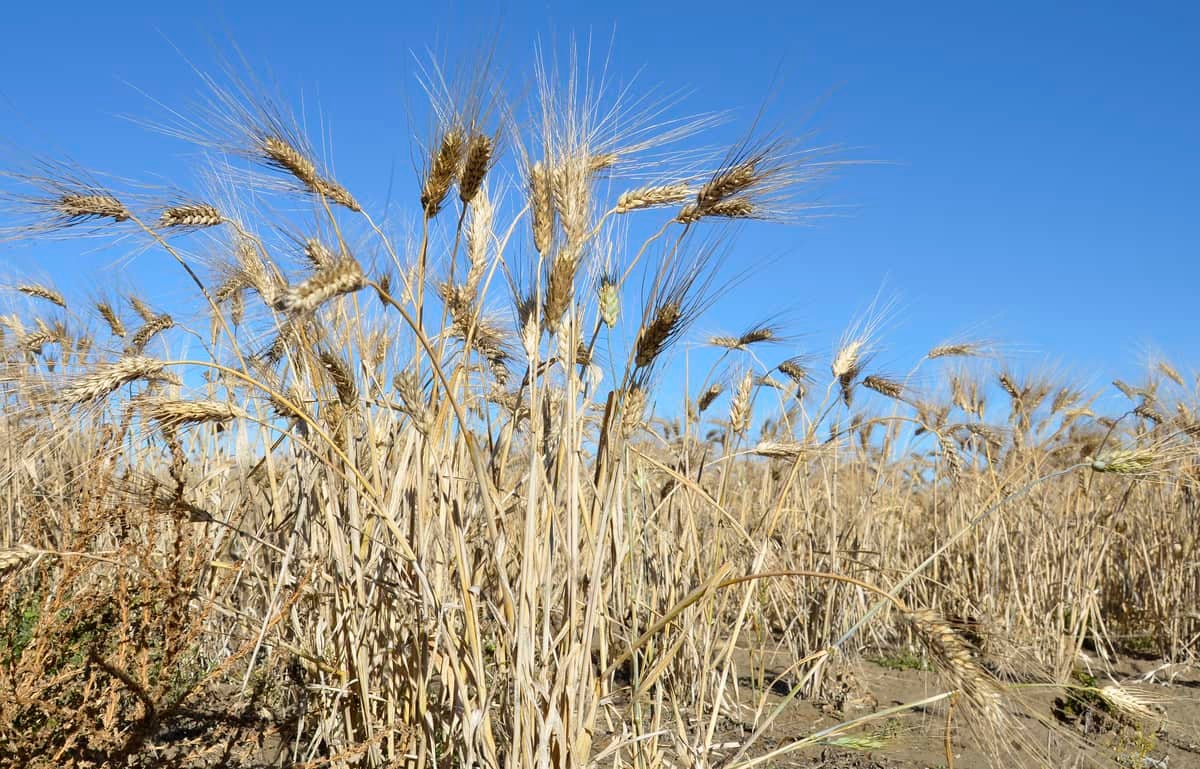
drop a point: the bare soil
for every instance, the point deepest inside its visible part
(225, 730)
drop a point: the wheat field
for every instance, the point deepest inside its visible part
(403, 484)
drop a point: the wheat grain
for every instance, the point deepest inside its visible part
(444, 166)
(343, 381)
(1170, 372)
(286, 156)
(14, 557)
(475, 166)
(344, 276)
(541, 207)
(318, 254)
(739, 406)
(708, 396)
(176, 413)
(653, 338)
(633, 410)
(80, 207)
(652, 197)
(43, 292)
(884, 386)
(191, 215)
(955, 658)
(111, 318)
(150, 329)
(106, 378)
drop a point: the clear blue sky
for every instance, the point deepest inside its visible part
(1042, 170)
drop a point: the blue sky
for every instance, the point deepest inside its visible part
(1039, 169)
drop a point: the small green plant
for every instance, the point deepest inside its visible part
(902, 660)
